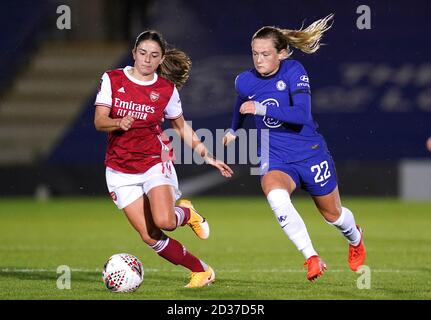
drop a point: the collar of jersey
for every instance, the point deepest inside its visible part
(134, 80)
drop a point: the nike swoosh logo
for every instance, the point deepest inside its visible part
(251, 97)
(323, 184)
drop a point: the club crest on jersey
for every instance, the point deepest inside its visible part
(271, 122)
(154, 96)
(281, 85)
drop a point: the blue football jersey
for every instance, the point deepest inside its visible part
(292, 131)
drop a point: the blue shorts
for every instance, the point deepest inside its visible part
(316, 175)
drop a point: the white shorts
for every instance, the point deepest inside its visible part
(125, 188)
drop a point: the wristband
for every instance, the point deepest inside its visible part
(260, 108)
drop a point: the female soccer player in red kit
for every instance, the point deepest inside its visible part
(131, 105)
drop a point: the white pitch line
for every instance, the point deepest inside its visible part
(7, 270)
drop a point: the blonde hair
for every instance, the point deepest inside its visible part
(176, 64)
(307, 40)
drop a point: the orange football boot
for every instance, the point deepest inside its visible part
(316, 267)
(198, 223)
(200, 279)
(357, 253)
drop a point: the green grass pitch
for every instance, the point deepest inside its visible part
(252, 257)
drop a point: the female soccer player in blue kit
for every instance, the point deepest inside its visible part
(292, 153)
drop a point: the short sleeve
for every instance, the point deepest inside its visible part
(298, 80)
(173, 109)
(104, 96)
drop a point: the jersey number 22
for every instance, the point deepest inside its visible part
(322, 171)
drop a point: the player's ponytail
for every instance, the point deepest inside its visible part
(175, 67)
(307, 40)
(176, 64)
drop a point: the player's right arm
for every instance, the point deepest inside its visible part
(103, 122)
(102, 119)
(237, 117)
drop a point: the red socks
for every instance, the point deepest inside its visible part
(176, 253)
(183, 215)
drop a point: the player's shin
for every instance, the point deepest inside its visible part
(347, 226)
(182, 215)
(176, 253)
(290, 221)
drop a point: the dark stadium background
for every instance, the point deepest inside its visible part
(371, 96)
(371, 88)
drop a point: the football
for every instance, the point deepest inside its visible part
(123, 272)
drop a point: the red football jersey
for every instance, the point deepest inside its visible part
(149, 103)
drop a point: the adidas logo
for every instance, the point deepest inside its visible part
(121, 90)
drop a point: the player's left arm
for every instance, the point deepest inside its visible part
(188, 135)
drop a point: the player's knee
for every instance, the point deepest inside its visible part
(151, 237)
(331, 214)
(277, 198)
(147, 238)
(166, 223)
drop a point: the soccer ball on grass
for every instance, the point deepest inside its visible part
(123, 272)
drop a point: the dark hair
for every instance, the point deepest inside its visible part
(307, 40)
(280, 41)
(176, 65)
(151, 35)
